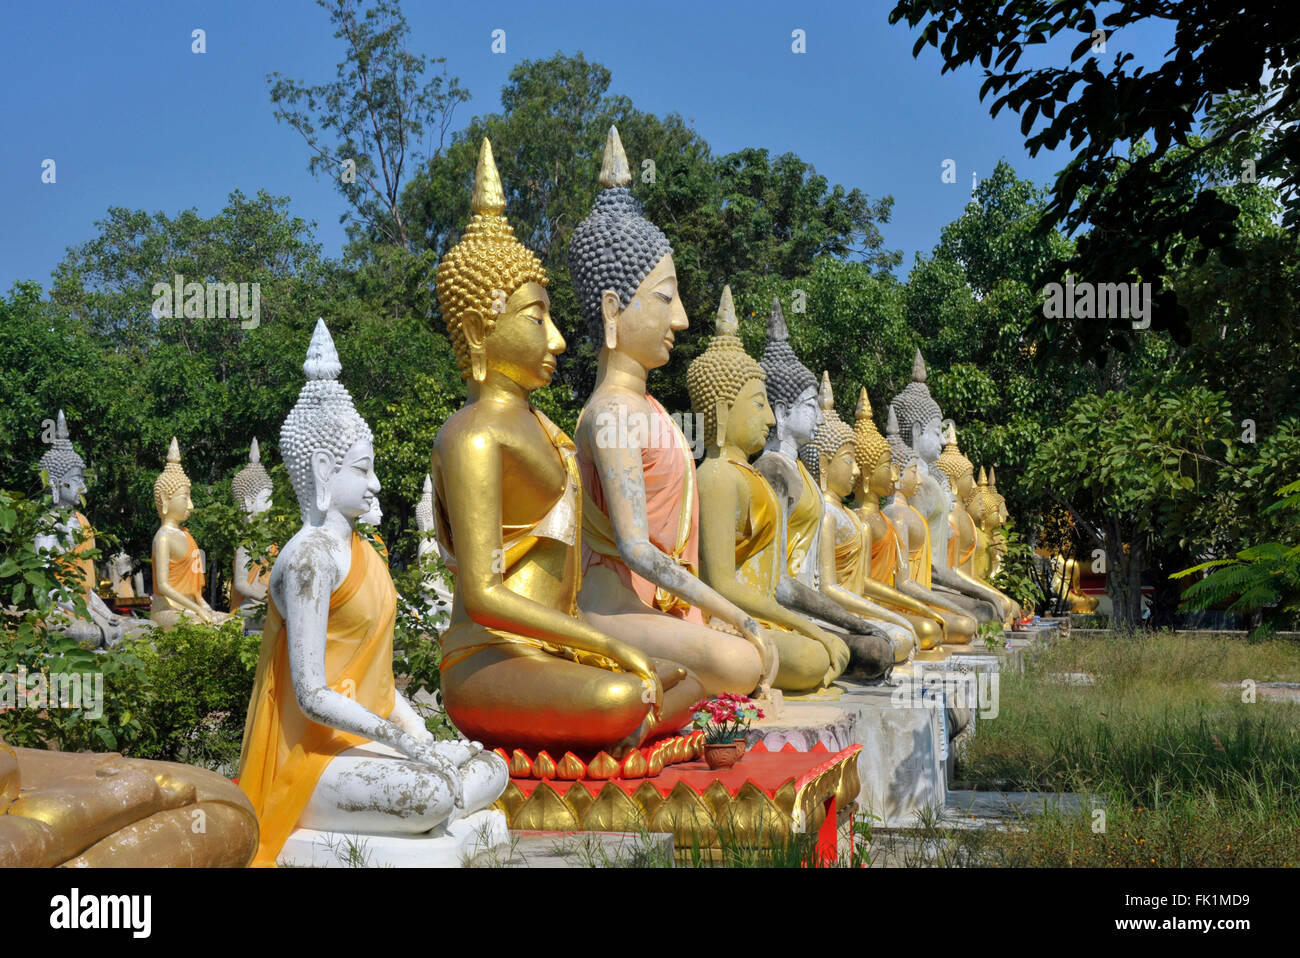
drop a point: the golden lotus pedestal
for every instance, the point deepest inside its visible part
(767, 799)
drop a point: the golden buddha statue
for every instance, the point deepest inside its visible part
(178, 572)
(968, 549)
(877, 639)
(522, 668)
(739, 512)
(844, 548)
(914, 544)
(889, 578)
(998, 539)
(91, 810)
(330, 744)
(640, 512)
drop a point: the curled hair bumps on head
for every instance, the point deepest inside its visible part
(61, 458)
(830, 437)
(871, 445)
(172, 479)
(615, 247)
(487, 264)
(323, 418)
(252, 479)
(721, 371)
(787, 378)
(915, 404)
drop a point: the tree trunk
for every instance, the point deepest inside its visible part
(1124, 579)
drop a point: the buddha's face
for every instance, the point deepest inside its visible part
(353, 486)
(645, 330)
(375, 515)
(910, 480)
(965, 486)
(259, 503)
(178, 505)
(801, 419)
(927, 439)
(884, 477)
(524, 342)
(750, 418)
(842, 472)
(121, 565)
(70, 488)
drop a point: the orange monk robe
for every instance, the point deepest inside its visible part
(955, 560)
(256, 573)
(85, 566)
(919, 558)
(805, 519)
(884, 555)
(852, 559)
(672, 513)
(185, 574)
(285, 752)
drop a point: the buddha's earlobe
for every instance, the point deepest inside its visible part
(322, 469)
(610, 308)
(823, 466)
(720, 413)
(475, 331)
(778, 413)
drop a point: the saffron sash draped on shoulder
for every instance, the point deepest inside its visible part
(284, 751)
(672, 514)
(805, 519)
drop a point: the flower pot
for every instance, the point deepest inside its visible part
(740, 747)
(722, 755)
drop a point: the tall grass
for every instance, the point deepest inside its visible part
(1184, 771)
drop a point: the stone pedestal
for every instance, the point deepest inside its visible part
(448, 846)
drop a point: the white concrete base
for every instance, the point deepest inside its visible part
(448, 846)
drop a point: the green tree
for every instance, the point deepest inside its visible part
(373, 116)
(1139, 212)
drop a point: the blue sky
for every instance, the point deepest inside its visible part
(112, 92)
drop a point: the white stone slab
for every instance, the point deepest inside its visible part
(449, 846)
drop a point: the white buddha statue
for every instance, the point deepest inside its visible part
(252, 490)
(330, 745)
(67, 484)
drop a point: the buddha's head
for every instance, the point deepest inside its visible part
(985, 504)
(829, 455)
(919, 416)
(171, 490)
(120, 565)
(492, 294)
(251, 485)
(953, 464)
(907, 464)
(1003, 514)
(375, 515)
(327, 446)
(65, 467)
(622, 270)
(424, 507)
(877, 474)
(791, 386)
(728, 389)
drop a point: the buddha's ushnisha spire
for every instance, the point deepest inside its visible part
(174, 451)
(918, 367)
(489, 196)
(776, 328)
(825, 396)
(614, 170)
(863, 408)
(727, 324)
(322, 361)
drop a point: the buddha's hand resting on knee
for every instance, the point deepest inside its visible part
(838, 650)
(431, 756)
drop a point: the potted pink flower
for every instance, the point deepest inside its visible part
(724, 721)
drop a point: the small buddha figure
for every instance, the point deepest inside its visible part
(740, 515)
(178, 572)
(997, 539)
(252, 490)
(792, 394)
(67, 478)
(522, 668)
(919, 420)
(912, 533)
(124, 583)
(888, 579)
(641, 512)
(329, 742)
(969, 543)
